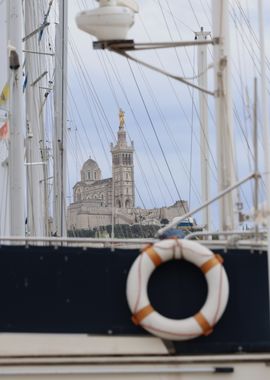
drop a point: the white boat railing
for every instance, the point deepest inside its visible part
(222, 239)
(231, 235)
(75, 242)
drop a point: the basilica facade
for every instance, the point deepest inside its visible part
(94, 197)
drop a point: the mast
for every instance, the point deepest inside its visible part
(203, 101)
(265, 118)
(228, 214)
(16, 120)
(35, 133)
(59, 206)
(255, 147)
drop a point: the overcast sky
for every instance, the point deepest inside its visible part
(161, 115)
(153, 104)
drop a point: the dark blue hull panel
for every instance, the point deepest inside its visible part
(71, 290)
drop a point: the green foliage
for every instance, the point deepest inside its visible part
(121, 231)
(81, 233)
(164, 221)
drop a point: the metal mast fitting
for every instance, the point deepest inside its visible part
(204, 136)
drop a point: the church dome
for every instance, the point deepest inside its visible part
(90, 171)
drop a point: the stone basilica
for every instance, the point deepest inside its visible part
(93, 196)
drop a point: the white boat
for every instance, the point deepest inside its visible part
(67, 304)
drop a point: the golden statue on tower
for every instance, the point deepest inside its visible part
(121, 118)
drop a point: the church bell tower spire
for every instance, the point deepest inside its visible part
(123, 168)
(122, 138)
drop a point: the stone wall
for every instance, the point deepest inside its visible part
(90, 214)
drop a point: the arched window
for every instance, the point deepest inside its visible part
(78, 195)
(118, 203)
(127, 204)
(88, 174)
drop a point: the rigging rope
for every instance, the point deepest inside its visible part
(189, 89)
(145, 143)
(156, 135)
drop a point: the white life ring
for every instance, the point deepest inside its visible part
(218, 290)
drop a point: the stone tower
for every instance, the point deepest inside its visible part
(123, 168)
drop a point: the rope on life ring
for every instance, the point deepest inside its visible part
(201, 323)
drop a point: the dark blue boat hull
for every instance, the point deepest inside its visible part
(74, 290)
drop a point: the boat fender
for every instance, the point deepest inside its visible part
(201, 323)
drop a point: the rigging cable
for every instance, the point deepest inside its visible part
(156, 135)
(84, 89)
(167, 128)
(114, 70)
(182, 159)
(145, 142)
(189, 89)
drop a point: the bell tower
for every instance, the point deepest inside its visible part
(123, 168)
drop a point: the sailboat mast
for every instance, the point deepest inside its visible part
(35, 196)
(228, 214)
(265, 117)
(16, 121)
(203, 102)
(60, 122)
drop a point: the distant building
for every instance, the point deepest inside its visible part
(92, 195)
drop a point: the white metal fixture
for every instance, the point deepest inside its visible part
(111, 21)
